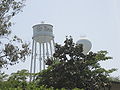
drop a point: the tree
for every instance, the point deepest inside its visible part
(13, 49)
(19, 79)
(115, 79)
(15, 80)
(72, 69)
(3, 77)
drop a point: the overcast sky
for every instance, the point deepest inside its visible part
(99, 20)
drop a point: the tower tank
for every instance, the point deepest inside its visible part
(43, 33)
(86, 45)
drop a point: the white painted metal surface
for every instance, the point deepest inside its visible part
(86, 45)
(43, 33)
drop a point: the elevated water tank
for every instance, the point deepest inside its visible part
(42, 48)
(43, 33)
(86, 45)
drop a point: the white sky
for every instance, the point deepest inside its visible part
(99, 20)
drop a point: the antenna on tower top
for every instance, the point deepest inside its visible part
(42, 22)
(83, 36)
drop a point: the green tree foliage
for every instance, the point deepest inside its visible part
(115, 79)
(19, 81)
(12, 48)
(3, 77)
(15, 80)
(72, 69)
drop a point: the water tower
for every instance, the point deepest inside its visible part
(86, 44)
(42, 47)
